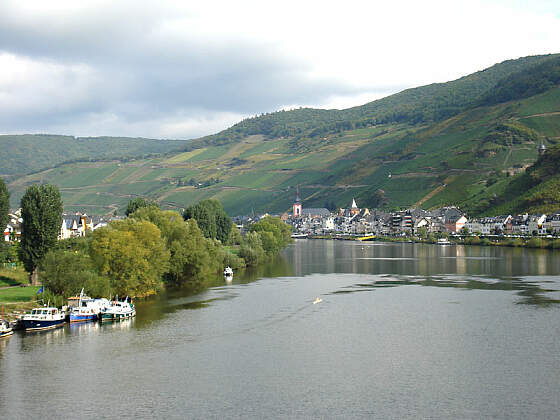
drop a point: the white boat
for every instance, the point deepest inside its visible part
(118, 310)
(88, 309)
(443, 241)
(43, 318)
(5, 329)
(228, 274)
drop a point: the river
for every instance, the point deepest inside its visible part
(403, 331)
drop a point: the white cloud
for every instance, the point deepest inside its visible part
(174, 69)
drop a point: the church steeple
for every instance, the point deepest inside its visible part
(297, 207)
(354, 209)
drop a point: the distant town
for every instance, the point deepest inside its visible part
(352, 221)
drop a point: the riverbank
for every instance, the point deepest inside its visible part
(495, 240)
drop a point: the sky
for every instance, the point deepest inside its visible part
(176, 69)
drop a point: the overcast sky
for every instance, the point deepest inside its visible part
(179, 70)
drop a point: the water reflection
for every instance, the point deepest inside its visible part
(391, 264)
(315, 256)
(532, 290)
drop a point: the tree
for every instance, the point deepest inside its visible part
(422, 232)
(65, 273)
(137, 203)
(211, 218)
(4, 205)
(132, 254)
(41, 211)
(192, 256)
(274, 234)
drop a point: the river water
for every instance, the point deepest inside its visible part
(402, 331)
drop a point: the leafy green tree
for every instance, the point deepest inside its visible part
(132, 254)
(4, 205)
(190, 252)
(274, 234)
(422, 232)
(193, 258)
(137, 203)
(65, 273)
(41, 211)
(251, 250)
(235, 237)
(8, 252)
(211, 219)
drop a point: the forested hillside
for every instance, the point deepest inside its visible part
(435, 102)
(460, 143)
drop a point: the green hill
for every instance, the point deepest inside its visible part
(537, 190)
(32, 152)
(447, 143)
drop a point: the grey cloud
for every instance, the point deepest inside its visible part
(140, 74)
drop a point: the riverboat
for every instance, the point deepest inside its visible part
(88, 309)
(43, 319)
(5, 329)
(443, 241)
(117, 311)
(299, 235)
(228, 274)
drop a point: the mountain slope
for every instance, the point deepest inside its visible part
(32, 152)
(431, 146)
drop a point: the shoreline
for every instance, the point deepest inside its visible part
(511, 242)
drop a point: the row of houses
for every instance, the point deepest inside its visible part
(449, 220)
(73, 225)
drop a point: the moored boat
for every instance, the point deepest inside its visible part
(88, 309)
(5, 329)
(228, 274)
(43, 318)
(118, 310)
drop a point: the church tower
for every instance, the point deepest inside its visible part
(297, 205)
(354, 208)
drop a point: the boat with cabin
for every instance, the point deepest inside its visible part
(117, 311)
(43, 318)
(444, 241)
(228, 273)
(5, 328)
(88, 309)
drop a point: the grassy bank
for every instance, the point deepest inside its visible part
(14, 298)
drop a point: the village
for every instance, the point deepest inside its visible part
(445, 221)
(352, 221)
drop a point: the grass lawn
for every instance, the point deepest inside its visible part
(12, 277)
(17, 294)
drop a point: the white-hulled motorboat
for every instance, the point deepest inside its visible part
(118, 310)
(5, 329)
(43, 318)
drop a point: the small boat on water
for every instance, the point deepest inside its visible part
(43, 319)
(118, 310)
(228, 274)
(317, 300)
(5, 329)
(443, 241)
(88, 309)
